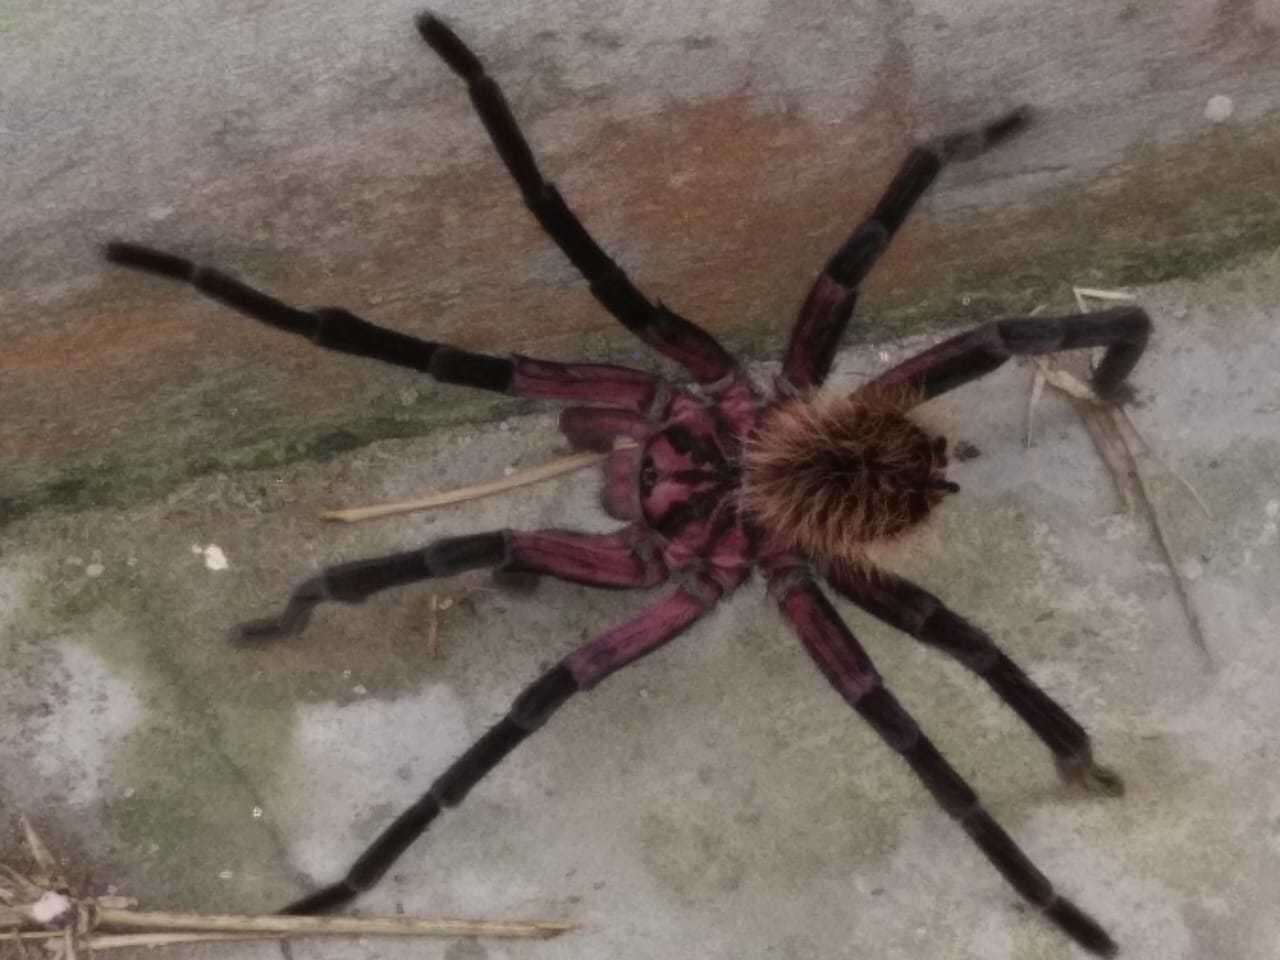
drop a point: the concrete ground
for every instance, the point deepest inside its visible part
(716, 800)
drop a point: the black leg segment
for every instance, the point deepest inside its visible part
(665, 331)
(926, 161)
(1124, 331)
(881, 709)
(847, 666)
(329, 327)
(530, 710)
(358, 580)
(920, 614)
(829, 306)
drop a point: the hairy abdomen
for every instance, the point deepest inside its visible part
(830, 476)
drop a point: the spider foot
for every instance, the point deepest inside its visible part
(322, 901)
(1081, 927)
(1093, 777)
(1120, 395)
(290, 622)
(967, 144)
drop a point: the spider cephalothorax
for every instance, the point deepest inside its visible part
(715, 480)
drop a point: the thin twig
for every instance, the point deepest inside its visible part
(50, 876)
(1126, 429)
(26, 889)
(1119, 443)
(522, 478)
(433, 625)
(246, 925)
(1111, 447)
(1122, 296)
(22, 947)
(1137, 441)
(1037, 388)
(392, 926)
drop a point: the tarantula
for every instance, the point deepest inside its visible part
(713, 479)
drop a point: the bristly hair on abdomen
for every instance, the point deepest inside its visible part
(832, 475)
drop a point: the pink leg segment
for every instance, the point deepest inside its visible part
(620, 559)
(831, 644)
(817, 332)
(630, 641)
(602, 383)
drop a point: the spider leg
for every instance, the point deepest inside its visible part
(618, 560)
(826, 311)
(917, 612)
(580, 670)
(1122, 330)
(343, 331)
(666, 331)
(847, 666)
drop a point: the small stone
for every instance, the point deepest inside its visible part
(51, 908)
(94, 570)
(1218, 109)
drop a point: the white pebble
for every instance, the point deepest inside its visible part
(51, 907)
(214, 558)
(94, 570)
(1218, 108)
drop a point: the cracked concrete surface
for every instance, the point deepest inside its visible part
(716, 799)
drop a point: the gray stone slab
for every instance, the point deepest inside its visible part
(716, 799)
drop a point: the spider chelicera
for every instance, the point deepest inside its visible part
(713, 479)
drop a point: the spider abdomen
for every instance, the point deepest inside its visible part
(829, 476)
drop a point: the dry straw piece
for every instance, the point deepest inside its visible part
(42, 911)
(1125, 452)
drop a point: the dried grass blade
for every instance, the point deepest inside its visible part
(522, 478)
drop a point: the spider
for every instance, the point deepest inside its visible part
(713, 479)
